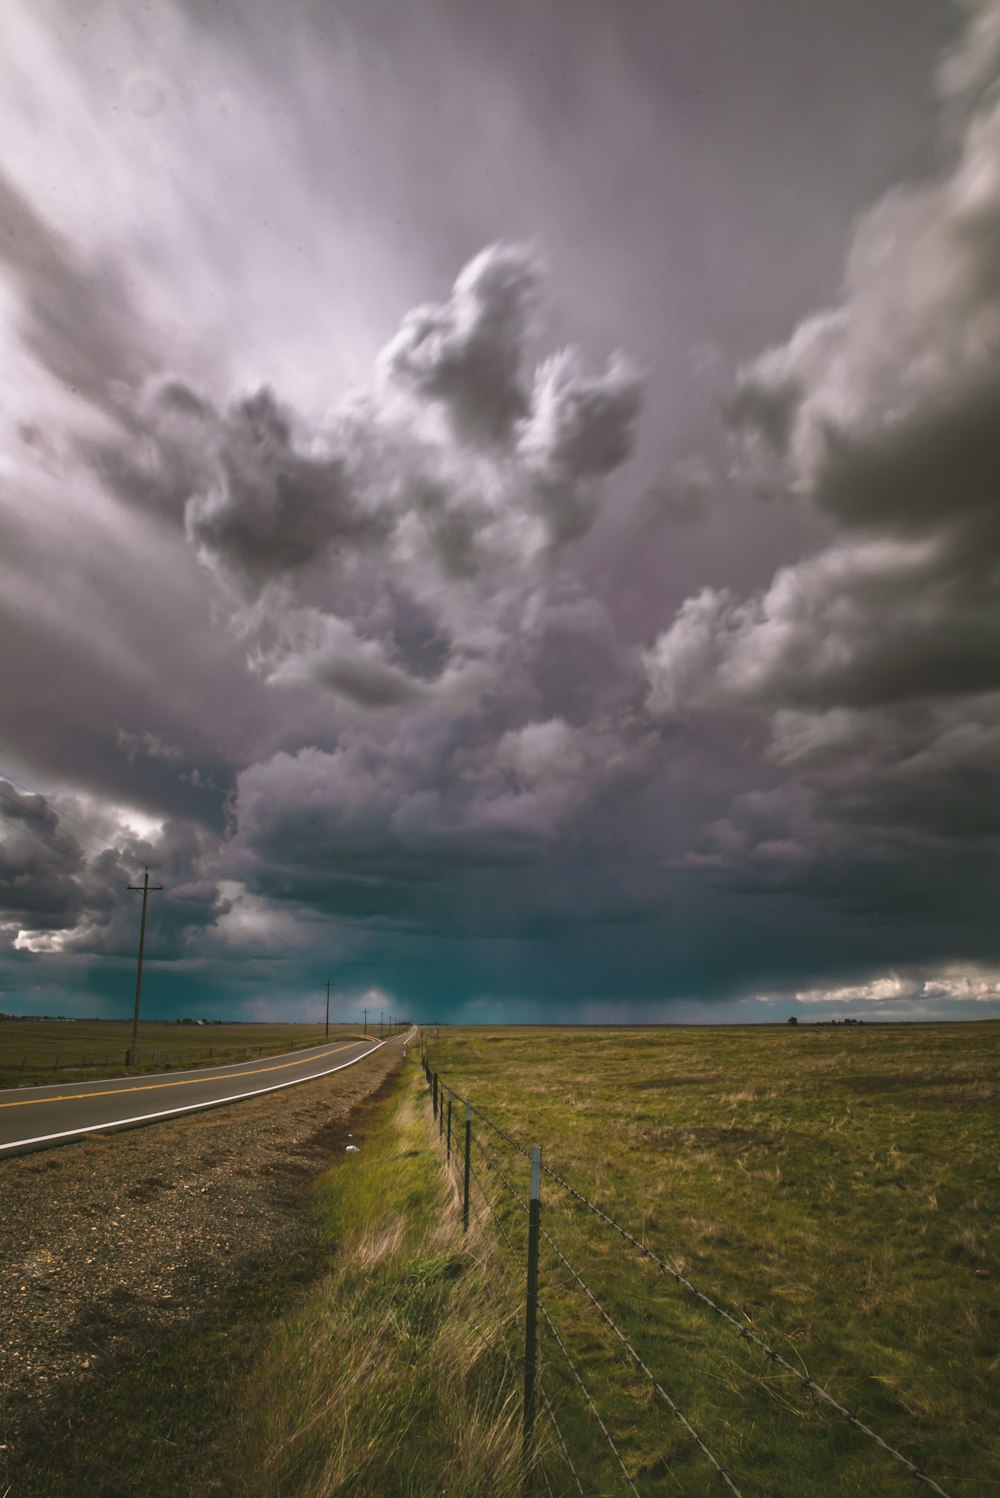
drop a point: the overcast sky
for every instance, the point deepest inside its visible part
(501, 507)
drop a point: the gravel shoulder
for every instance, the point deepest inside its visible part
(110, 1240)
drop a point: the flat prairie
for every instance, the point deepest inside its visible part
(36, 1051)
(834, 1187)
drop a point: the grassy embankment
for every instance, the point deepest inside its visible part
(838, 1186)
(375, 1364)
(35, 1051)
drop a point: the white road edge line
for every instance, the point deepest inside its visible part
(118, 1123)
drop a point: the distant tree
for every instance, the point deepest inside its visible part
(793, 1019)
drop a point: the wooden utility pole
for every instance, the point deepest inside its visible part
(328, 1009)
(146, 888)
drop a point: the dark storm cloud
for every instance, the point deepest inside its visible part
(880, 413)
(468, 353)
(330, 537)
(273, 510)
(37, 887)
(376, 660)
(367, 829)
(877, 658)
(63, 882)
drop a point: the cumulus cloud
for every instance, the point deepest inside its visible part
(390, 827)
(876, 661)
(272, 509)
(906, 992)
(468, 352)
(332, 540)
(403, 557)
(857, 625)
(63, 881)
(580, 428)
(881, 413)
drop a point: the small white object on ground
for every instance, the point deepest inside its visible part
(353, 1149)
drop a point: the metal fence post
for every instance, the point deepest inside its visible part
(531, 1306)
(468, 1164)
(448, 1154)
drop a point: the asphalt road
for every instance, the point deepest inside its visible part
(38, 1117)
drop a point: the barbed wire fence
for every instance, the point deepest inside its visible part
(514, 1215)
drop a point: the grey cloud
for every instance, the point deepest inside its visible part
(581, 427)
(136, 744)
(337, 534)
(37, 859)
(468, 352)
(881, 414)
(385, 825)
(972, 65)
(459, 674)
(875, 661)
(274, 509)
(344, 529)
(859, 625)
(77, 319)
(684, 492)
(871, 867)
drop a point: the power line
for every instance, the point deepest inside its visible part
(65, 816)
(29, 811)
(64, 852)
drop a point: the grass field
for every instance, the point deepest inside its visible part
(372, 1364)
(34, 1051)
(838, 1187)
(391, 1379)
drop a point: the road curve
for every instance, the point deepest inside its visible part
(34, 1118)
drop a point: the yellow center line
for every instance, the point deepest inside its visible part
(69, 1097)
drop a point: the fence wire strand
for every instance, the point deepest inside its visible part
(744, 1332)
(586, 1394)
(541, 1388)
(499, 1173)
(672, 1406)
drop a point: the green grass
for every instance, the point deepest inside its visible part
(373, 1363)
(36, 1051)
(394, 1377)
(838, 1186)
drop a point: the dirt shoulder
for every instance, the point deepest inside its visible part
(107, 1242)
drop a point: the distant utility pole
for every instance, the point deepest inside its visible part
(328, 1009)
(366, 1021)
(146, 887)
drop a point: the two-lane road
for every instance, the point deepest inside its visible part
(37, 1117)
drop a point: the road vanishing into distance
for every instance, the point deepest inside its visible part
(34, 1118)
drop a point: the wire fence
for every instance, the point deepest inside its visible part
(485, 1156)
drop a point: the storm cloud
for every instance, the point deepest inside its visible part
(876, 661)
(352, 441)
